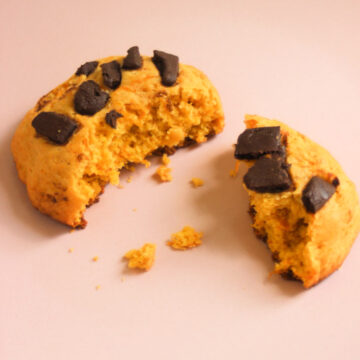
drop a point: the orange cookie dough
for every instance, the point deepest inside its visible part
(308, 211)
(112, 113)
(143, 258)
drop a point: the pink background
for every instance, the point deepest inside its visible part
(297, 61)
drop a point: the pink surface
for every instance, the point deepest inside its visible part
(297, 61)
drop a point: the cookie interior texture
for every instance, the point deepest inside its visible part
(305, 246)
(63, 180)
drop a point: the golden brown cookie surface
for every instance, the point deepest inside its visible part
(134, 115)
(312, 222)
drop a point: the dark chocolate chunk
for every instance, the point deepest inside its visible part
(168, 66)
(268, 176)
(316, 193)
(56, 127)
(133, 59)
(253, 143)
(89, 98)
(111, 118)
(111, 72)
(336, 182)
(87, 68)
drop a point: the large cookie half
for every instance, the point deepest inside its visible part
(301, 201)
(112, 112)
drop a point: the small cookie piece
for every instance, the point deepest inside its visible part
(133, 60)
(316, 193)
(253, 143)
(56, 127)
(142, 258)
(111, 72)
(164, 173)
(111, 118)
(197, 182)
(165, 159)
(87, 68)
(268, 176)
(89, 98)
(185, 239)
(168, 66)
(311, 227)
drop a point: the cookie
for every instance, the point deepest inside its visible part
(105, 117)
(302, 203)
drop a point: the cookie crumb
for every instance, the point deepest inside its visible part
(142, 258)
(122, 279)
(71, 250)
(129, 179)
(147, 163)
(97, 287)
(95, 258)
(165, 159)
(235, 171)
(197, 182)
(164, 173)
(185, 239)
(134, 209)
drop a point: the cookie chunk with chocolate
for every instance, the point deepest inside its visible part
(111, 113)
(301, 201)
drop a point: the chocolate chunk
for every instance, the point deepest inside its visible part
(111, 72)
(168, 66)
(111, 118)
(336, 182)
(56, 127)
(133, 59)
(316, 193)
(268, 176)
(253, 143)
(89, 98)
(87, 68)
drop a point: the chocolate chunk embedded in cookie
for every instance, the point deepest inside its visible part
(87, 68)
(56, 127)
(111, 72)
(133, 59)
(316, 193)
(168, 66)
(253, 143)
(89, 98)
(111, 118)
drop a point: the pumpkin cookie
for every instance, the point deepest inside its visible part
(111, 113)
(302, 203)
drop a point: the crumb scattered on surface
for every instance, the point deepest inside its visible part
(129, 179)
(197, 182)
(97, 287)
(142, 258)
(119, 186)
(122, 279)
(71, 250)
(95, 258)
(164, 173)
(165, 159)
(72, 230)
(134, 209)
(235, 171)
(187, 238)
(147, 163)
(130, 168)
